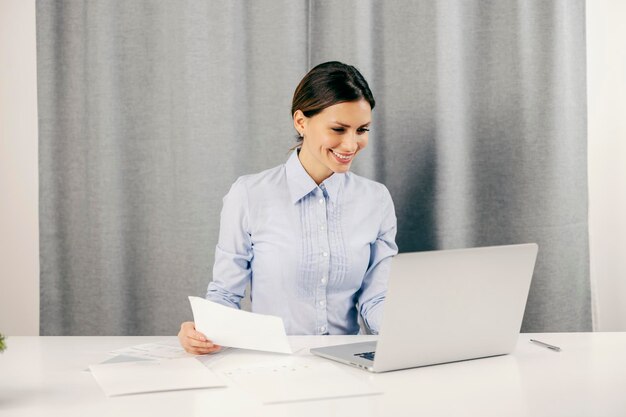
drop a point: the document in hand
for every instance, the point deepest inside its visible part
(227, 326)
(153, 376)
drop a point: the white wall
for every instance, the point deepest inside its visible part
(19, 240)
(606, 98)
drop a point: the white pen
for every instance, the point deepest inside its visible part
(555, 348)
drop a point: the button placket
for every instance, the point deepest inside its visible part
(321, 302)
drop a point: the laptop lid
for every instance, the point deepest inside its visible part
(451, 305)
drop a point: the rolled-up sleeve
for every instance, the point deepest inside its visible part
(233, 253)
(371, 295)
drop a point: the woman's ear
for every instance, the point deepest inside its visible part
(299, 121)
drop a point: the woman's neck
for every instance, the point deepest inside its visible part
(316, 170)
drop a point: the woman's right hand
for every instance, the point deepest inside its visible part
(195, 342)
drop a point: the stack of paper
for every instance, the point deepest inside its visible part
(157, 350)
(165, 366)
(153, 376)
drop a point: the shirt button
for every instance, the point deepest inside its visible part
(323, 329)
(324, 279)
(322, 303)
(324, 253)
(322, 227)
(321, 201)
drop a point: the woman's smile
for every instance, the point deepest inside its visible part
(342, 158)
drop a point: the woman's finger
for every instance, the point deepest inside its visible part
(198, 336)
(199, 344)
(204, 351)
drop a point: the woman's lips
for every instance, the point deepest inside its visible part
(341, 157)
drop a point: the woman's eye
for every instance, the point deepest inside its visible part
(360, 130)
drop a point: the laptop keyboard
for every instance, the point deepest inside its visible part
(366, 355)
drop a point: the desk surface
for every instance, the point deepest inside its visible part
(45, 376)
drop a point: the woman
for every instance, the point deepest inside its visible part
(312, 239)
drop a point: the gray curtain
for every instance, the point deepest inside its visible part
(148, 111)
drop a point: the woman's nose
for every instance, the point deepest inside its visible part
(350, 142)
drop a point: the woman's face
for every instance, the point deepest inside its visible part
(333, 137)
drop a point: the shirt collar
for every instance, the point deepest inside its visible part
(301, 184)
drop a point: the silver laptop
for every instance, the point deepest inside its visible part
(447, 306)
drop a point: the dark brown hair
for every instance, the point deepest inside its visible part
(328, 84)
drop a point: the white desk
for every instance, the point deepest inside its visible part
(45, 376)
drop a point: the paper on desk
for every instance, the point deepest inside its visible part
(157, 350)
(300, 380)
(227, 326)
(153, 376)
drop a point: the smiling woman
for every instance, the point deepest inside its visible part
(332, 138)
(331, 111)
(313, 239)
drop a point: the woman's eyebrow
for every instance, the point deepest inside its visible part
(345, 125)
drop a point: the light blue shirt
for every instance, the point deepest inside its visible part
(316, 256)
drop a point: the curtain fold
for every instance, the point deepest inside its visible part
(148, 111)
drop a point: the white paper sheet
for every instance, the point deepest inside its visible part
(227, 326)
(157, 350)
(300, 380)
(153, 376)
